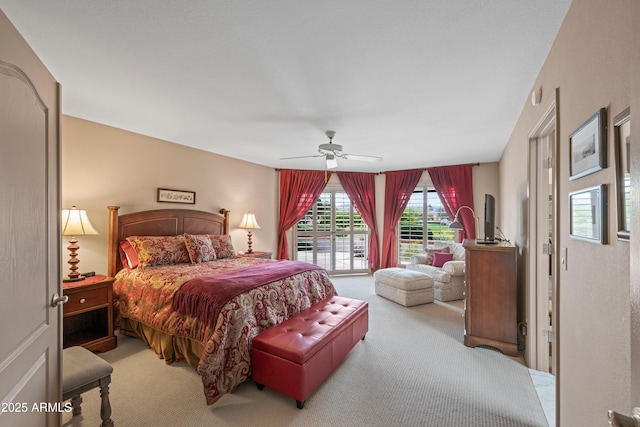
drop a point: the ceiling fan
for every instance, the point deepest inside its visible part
(332, 151)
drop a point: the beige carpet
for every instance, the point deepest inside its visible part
(412, 370)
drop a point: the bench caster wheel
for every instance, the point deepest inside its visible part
(260, 386)
(299, 404)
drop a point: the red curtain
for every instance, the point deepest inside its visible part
(398, 189)
(299, 190)
(454, 185)
(361, 189)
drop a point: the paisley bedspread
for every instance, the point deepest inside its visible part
(145, 296)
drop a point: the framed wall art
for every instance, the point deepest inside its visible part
(588, 214)
(588, 146)
(176, 196)
(622, 135)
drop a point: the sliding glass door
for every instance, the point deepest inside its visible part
(333, 235)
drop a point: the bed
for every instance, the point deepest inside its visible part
(167, 299)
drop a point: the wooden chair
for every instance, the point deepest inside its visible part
(83, 371)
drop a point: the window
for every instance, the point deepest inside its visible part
(333, 235)
(424, 207)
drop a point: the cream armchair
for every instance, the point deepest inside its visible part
(448, 280)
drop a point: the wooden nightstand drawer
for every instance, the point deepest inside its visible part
(86, 300)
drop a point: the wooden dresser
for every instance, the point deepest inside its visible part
(491, 292)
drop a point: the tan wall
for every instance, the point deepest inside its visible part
(102, 166)
(486, 179)
(589, 63)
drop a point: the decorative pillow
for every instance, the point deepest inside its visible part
(199, 247)
(431, 251)
(439, 258)
(222, 245)
(159, 250)
(128, 255)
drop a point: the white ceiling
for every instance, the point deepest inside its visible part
(418, 82)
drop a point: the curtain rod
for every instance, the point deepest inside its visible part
(426, 168)
(383, 172)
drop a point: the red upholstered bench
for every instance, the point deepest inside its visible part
(297, 355)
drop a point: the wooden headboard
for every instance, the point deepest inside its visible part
(160, 222)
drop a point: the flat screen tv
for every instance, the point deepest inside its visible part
(489, 220)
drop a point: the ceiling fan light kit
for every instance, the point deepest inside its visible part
(331, 152)
(332, 162)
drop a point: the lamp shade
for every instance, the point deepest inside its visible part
(75, 222)
(456, 225)
(249, 221)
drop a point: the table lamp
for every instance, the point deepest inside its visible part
(249, 222)
(75, 222)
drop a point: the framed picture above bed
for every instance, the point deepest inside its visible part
(588, 146)
(176, 196)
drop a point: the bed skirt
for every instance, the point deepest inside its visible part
(168, 347)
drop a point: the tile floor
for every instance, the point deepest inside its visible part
(545, 386)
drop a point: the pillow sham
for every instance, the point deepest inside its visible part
(128, 255)
(439, 258)
(222, 245)
(159, 250)
(431, 251)
(200, 248)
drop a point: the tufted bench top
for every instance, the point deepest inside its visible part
(303, 335)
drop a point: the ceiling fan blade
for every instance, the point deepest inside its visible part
(363, 158)
(301, 157)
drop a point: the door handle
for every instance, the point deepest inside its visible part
(58, 300)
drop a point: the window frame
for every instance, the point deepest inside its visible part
(405, 250)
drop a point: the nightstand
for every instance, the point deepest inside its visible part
(256, 254)
(88, 315)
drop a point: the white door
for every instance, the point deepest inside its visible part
(542, 301)
(30, 346)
